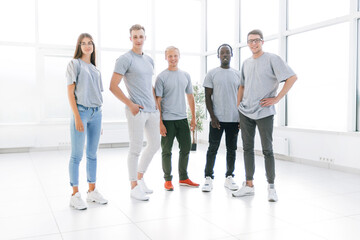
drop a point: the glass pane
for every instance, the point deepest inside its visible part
(259, 14)
(161, 64)
(19, 15)
(56, 104)
(61, 22)
(319, 98)
(18, 88)
(118, 16)
(113, 108)
(183, 32)
(245, 53)
(192, 65)
(271, 46)
(316, 11)
(220, 23)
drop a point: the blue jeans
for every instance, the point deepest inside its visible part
(91, 119)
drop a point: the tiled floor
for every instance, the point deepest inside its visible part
(314, 203)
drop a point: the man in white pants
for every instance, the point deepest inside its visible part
(141, 112)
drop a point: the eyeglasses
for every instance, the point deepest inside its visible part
(84, 43)
(257, 40)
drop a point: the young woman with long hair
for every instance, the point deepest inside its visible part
(84, 87)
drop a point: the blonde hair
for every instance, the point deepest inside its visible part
(171, 48)
(136, 27)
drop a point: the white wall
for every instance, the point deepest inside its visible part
(47, 136)
(321, 148)
(333, 150)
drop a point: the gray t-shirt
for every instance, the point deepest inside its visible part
(260, 78)
(225, 84)
(171, 86)
(138, 71)
(88, 83)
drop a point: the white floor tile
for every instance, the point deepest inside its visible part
(125, 231)
(44, 237)
(246, 220)
(281, 234)
(342, 228)
(299, 213)
(24, 201)
(74, 220)
(344, 204)
(28, 226)
(314, 203)
(182, 228)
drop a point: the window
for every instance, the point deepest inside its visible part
(113, 108)
(316, 11)
(320, 58)
(220, 23)
(19, 92)
(54, 87)
(178, 23)
(118, 16)
(21, 15)
(61, 22)
(260, 14)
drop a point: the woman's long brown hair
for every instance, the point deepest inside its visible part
(78, 52)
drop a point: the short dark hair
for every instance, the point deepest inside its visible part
(224, 45)
(256, 32)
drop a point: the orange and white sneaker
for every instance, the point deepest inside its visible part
(168, 186)
(189, 183)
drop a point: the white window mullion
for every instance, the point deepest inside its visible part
(283, 23)
(354, 88)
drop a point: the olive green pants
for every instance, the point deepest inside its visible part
(180, 130)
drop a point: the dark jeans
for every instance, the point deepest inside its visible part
(231, 136)
(180, 130)
(265, 127)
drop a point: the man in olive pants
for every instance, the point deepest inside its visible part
(171, 86)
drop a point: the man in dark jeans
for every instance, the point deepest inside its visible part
(260, 78)
(221, 91)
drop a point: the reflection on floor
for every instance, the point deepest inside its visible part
(314, 203)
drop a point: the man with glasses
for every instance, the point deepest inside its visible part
(260, 78)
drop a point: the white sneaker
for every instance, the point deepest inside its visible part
(138, 194)
(244, 191)
(272, 196)
(95, 196)
(230, 184)
(143, 186)
(77, 202)
(208, 186)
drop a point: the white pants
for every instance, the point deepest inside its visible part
(137, 125)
